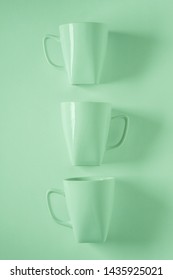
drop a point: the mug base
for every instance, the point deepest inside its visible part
(90, 241)
(84, 83)
(86, 164)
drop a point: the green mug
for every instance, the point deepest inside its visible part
(89, 202)
(86, 127)
(83, 47)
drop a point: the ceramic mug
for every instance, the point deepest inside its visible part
(89, 203)
(83, 47)
(86, 127)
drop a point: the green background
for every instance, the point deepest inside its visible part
(137, 80)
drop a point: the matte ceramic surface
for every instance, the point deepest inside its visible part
(89, 202)
(86, 127)
(83, 47)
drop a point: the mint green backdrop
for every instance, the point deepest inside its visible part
(137, 80)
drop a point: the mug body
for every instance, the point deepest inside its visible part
(83, 46)
(89, 202)
(86, 128)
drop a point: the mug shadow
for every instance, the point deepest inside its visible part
(138, 216)
(127, 55)
(142, 135)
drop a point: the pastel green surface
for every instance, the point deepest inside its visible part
(137, 80)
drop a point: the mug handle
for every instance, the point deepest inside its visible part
(125, 118)
(57, 220)
(45, 48)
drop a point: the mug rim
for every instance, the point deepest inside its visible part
(89, 179)
(83, 22)
(85, 102)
